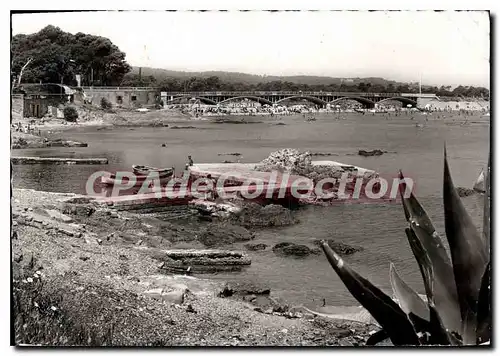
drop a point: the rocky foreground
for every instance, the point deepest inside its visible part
(85, 274)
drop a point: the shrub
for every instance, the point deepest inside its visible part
(70, 113)
(106, 104)
(458, 290)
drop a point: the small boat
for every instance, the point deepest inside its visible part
(145, 170)
(479, 185)
(141, 174)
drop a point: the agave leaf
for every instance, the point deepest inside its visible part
(438, 332)
(409, 300)
(483, 329)
(487, 202)
(377, 337)
(445, 291)
(468, 254)
(412, 208)
(385, 311)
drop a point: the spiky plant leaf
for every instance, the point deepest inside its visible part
(409, 300)
(377, 337)
(487, 202)
(483, 329)
(468, 254)
(438, 332)
(385, 311)
(412, 208)
(445, 291)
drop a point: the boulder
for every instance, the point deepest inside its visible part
(291, 249)
(253, 214)
(219, 235)
(83, 210)
(340, 248)
(370, 153)
(465, 192)
(255, 247)
(57, 215)
(244, 288)
(173, 296)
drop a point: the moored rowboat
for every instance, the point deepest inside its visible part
(145, 170)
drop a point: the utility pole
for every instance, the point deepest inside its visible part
(420, 84)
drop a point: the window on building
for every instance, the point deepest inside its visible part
(119, 99)
(133, 98)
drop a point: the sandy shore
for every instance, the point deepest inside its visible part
(84, 274)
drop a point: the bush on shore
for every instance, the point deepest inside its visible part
(70, 113)
(106, 104)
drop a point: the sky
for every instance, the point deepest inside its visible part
(441, 48)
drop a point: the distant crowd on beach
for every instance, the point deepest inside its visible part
(247, 107)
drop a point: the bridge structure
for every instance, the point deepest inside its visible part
(272, 98)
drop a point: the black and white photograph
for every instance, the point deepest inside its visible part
(256, 178)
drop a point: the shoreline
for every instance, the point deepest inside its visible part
(90, 116)
(77, 253)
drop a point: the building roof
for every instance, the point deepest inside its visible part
(46, 89)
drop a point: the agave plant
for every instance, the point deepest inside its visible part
(457, 310)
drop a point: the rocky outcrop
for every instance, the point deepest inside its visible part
(182, 127)
(255, 247)
(229, 154)
(220, 235)
(33, 141)
(465, 192)
(300, 163)
(255, 215)
(81, 210)
(291, 249)
(200, 261)
(371, 153)
(286, 160)
(340, 248)
(243, 288)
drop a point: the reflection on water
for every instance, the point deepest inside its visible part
(378, 228)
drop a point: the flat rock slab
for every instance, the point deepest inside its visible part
(57, 160)
(192, 253)
(54, 214)
(175, 296)
(201, 261)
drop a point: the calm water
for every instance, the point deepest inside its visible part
(379, 228)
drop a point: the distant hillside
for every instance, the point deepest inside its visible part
(235, 77)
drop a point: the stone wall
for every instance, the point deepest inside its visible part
(126, 98)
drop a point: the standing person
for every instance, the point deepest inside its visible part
(190, 161)
(211, 193)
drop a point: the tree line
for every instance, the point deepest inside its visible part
(214, 83)
(55, 56)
